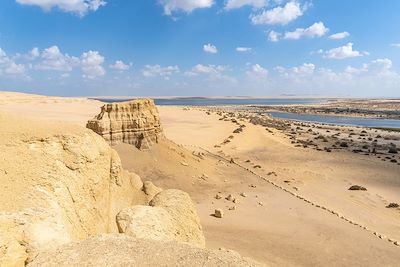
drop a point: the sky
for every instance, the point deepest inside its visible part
(201, 47)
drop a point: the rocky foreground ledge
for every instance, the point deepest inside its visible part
(121, 250)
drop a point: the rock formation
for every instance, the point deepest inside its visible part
(135, 122)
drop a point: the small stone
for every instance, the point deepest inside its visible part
(218, 213)
(232, 208)
(397, 243)
(235, 200)
(243, 194)
(217, 196)
(229, 197)
(184, 163)
(260, 203)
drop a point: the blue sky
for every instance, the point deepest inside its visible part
(201, 47)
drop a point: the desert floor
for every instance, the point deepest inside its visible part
(296, 209)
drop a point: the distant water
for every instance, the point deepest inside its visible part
(338, 120)
(224, 101)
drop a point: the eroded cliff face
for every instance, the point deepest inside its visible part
(58, 183)
(135, 122)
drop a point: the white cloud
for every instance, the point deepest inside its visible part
(91, 64)
(279, 15)
(213, 72)
(80, 7)
(2, 53)
(299, 71)
(273, 36)
(120, 65)
(34, 53)
(157, 70)
(53, 59)
(395, 45)
(375, 78)
(14, 68)
(380, 66)
(4, 59)
(9, 66)
(243, 49)
(232, 4)
(339, 35)
(318, 29)
(343, 52)
(209, 48)
(206, 69)
(257, 71)
(186, 6)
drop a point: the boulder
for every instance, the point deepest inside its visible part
(181, 208)
(147, 222)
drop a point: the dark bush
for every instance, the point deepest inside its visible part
(357, 187)
(344, 144)
(392, 205)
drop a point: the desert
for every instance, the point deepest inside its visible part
(199, 133)
(275, 191)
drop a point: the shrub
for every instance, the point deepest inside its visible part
(344, 144)
(357, 187)
(392, 205)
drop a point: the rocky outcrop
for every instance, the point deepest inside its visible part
(135, 122)
(59, 183)
(122, 250)
(171, 216)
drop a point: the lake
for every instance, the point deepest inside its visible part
(224, 101)
(338, 120)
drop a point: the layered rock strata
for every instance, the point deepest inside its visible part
(135, 122)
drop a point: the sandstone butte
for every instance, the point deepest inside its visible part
(135, 122)
(65, 199)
